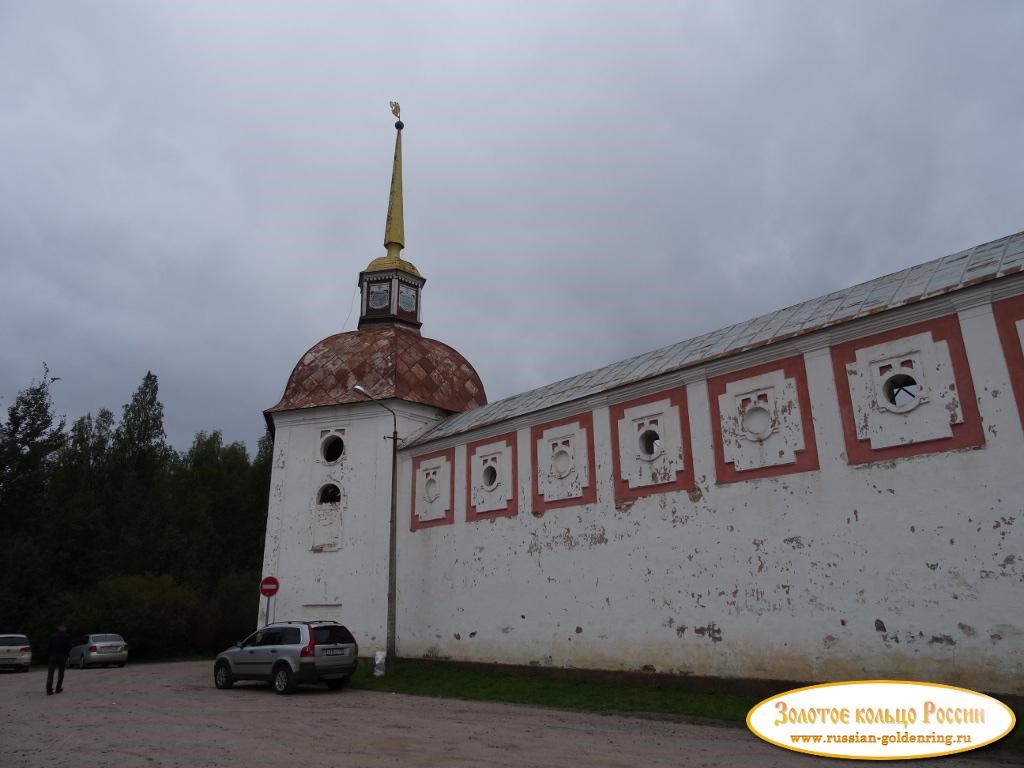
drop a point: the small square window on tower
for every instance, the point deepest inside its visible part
(906, 392)
(563, 463)
(433, 486)
(491, 478)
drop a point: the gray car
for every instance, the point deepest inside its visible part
(290, 653)
(101, 648)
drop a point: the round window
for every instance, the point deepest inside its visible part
(650, 444)
(757, 422)
(332, 449)
(329, 494)
(901, 390)
(561, 463)
(490, 477)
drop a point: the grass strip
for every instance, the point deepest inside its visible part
(437, 679)
(425, 678)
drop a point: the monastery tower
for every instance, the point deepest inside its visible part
(330, 534)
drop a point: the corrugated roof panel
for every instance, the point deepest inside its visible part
(504, 411)
(752, 328)
(649, 365)
(712, 343)
(853, 301)
(914, 284)
(1013, 258)
(770, 329)
(984, 262)
(589, 379)
(803, 314)
(607, 375)
(881, 295)
(948, 273)
(829, 306)
(678, 354)
(720, 341)
(539, 398)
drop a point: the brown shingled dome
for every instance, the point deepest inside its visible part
(391, 363)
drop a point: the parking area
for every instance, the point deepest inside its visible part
(171, 715)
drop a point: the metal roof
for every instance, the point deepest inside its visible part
(391, 363)
(945, 275)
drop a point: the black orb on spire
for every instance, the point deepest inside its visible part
(399, 125)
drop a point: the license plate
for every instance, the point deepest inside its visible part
(336, 652)
(109, 650)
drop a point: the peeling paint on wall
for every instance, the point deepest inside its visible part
(904, 565)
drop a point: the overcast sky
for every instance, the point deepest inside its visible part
(193, 187)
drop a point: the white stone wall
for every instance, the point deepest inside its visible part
(904, 568)
(331, 559)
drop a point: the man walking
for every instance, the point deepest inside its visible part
(60, 647)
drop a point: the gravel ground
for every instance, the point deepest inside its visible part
(171, 715)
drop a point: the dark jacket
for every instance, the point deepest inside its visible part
(60, 644)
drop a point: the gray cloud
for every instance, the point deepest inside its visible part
(193, 187)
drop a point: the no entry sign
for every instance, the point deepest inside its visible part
(269, 586)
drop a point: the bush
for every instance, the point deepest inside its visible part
(230, 614)
(155, 615)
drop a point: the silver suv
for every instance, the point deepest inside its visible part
(290, 653)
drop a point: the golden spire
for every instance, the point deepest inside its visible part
(394, 230)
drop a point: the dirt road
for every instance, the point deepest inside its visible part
(171, 715)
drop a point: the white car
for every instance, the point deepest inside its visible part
(15, 652)
(102, 649)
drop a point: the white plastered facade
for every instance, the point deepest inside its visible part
(904, 568)
(331, 559)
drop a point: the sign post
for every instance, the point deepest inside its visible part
(268, 588)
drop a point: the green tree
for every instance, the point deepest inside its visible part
(140, 436)
(141, 463)
(29, 440)
(79, 496)
(110, 529)
(30, 437)
(220, 507)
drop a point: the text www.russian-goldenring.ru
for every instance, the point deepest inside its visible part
(885, 739)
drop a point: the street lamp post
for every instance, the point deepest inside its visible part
(392, 530)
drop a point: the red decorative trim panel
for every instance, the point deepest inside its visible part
(761, 422)
(653, 455)
(492, 478)
(433, 490)
(906, 392)
(1008, 313)
(563, 463)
